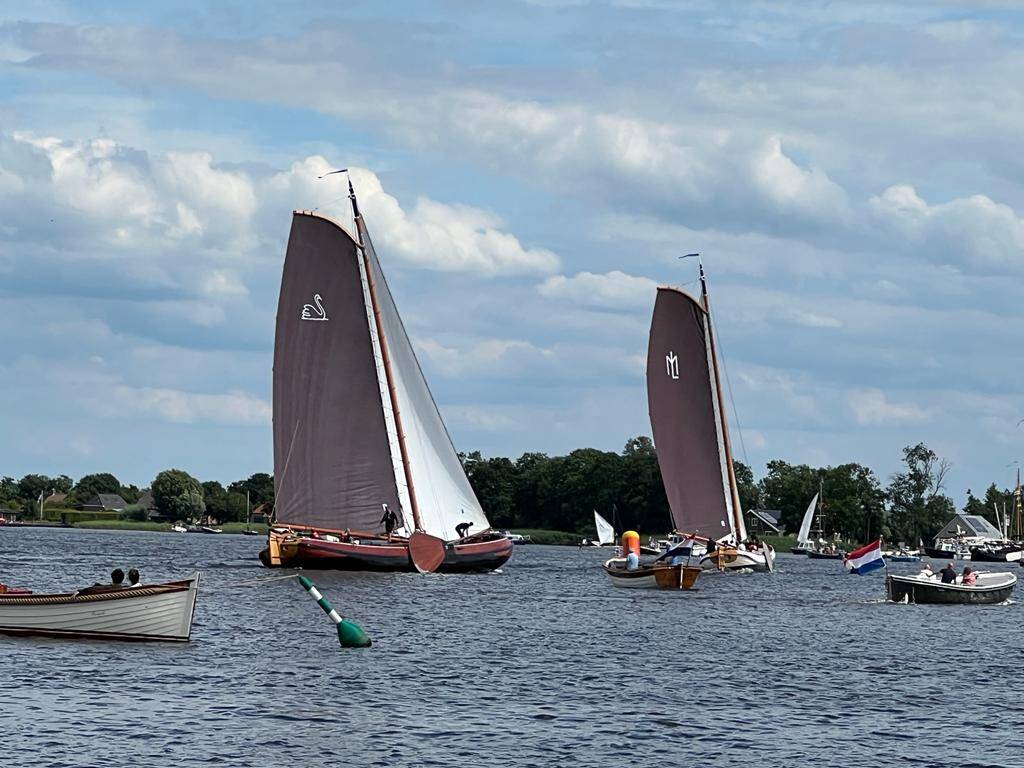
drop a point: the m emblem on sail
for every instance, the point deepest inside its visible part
(314, 311)
(672, 365)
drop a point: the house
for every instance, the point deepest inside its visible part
(55, 500)
(104, 501)
(146, 500)
(968, 526)
(764, 521)
(260, 514)
(7, 515)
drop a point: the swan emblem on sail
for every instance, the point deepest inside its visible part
(314, 311)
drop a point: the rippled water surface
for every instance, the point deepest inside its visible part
(542, 664)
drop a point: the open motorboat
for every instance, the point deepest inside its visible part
(656, 575)
(989, 589)
(691, 431)
(151, 612)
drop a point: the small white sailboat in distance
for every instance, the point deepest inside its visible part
(803, 542)
(605, 531)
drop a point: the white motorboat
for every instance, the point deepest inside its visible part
(153, 612)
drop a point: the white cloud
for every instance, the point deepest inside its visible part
(973, 231)
(613, 289)
(871, 407)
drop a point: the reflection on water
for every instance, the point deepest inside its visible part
(542, 664)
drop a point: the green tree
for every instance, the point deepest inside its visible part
(493, 481)
(31, 486)
(178, 495)
(917, 506)
(750, 493)
(789, 488)
(260, 487)
(90, 485)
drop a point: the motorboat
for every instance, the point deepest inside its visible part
(178, 528)
(989, 589)
(151, 612)
(997, 552)
(656, 575)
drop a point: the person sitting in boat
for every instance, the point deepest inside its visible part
(133, 578)
(389, 521)
(632, 561)
(970, 578)
(462, 529)
(926, 571)
(116, 583)
(753, 543)
(948, 573)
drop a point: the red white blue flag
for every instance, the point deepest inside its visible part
(867, 558)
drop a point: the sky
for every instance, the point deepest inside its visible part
(530, 172)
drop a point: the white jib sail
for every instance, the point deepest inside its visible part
(805, 524)
(605, 532)
(443, 493)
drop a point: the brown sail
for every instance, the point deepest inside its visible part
(332, 462)
(687, 425)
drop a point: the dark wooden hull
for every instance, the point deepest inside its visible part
(382, 555)
(912, 590)
(999, 555)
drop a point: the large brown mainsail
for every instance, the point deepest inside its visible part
(688, 429)
(332, 462)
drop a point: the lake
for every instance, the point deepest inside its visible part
(544, 663)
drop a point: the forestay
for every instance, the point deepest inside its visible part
(685, 419)
(443, 493)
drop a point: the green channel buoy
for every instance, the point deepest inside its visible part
(350, 634)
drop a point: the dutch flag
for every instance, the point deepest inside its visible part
(867, 558)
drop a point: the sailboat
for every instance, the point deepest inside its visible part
(691, 433)
(605, 531)
(359, 443)
(803, 541)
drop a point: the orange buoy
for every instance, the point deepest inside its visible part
(630, 543)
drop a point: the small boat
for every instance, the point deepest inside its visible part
(250, 532)
(605, 532)
(803, 536)
(997, 552)
(990, 588)
(209, 529)
(948, 550)
(691, 431)
(656, 575)
(179, 528)
(152, 612)
(825, 554)
(903, 556)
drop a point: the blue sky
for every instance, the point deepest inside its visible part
(530, 171)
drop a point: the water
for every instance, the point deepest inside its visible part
(543, 664)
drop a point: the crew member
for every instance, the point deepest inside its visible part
(389, 521)
(462, 529)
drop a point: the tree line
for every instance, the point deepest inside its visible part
(176, 494)
(561, 492)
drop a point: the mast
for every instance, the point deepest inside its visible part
(737, 513)
(386, 357)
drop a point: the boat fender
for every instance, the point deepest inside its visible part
(350, 634)
(630, 543)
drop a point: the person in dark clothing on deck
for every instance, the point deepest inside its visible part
(389, 521)
(462, 529)
(948, 574)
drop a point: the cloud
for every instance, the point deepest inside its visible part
(613, 290)
(975, 232)
(871, 408)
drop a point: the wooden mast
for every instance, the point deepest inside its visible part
(733, 490)
(386, 357)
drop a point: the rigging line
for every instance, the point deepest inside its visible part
(728, 385)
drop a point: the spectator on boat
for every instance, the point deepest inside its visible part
(462, 529)
(948, 573)
(970, 578)
(926, 571)
(117, 578)
(389, 521)
(632, 561)
(133, 578)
